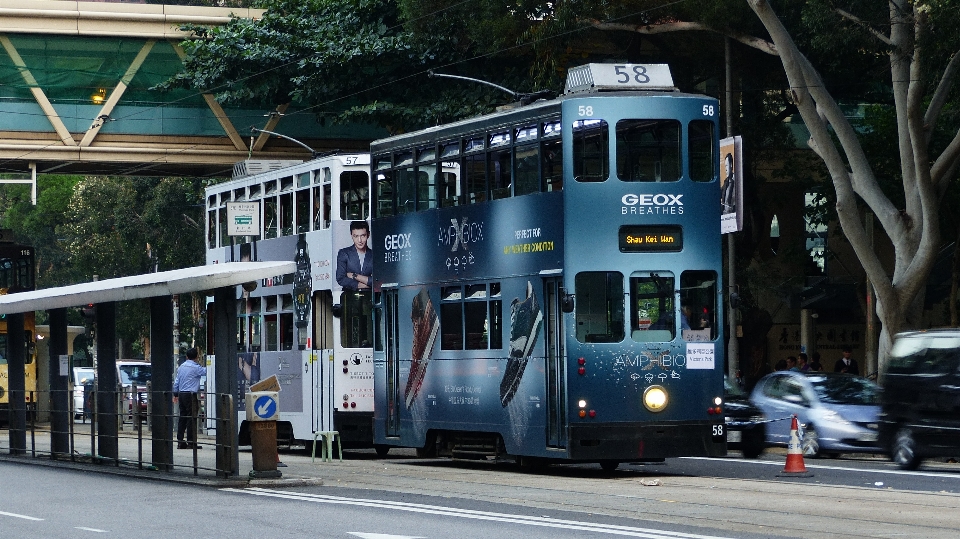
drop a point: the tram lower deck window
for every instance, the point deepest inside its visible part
(599, 306)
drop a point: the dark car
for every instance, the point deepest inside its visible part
(745, 423)
(920, 415)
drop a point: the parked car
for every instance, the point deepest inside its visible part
(839, 412)
(81, 377)
(133, 377)
(921, 397)
(745, 425)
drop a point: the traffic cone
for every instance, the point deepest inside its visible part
(794, 466)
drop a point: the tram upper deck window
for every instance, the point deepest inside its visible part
(653, 312)
(354, 195)
(700, 137)
(527, 169)
(303, 179)
(451, 318)
(475, 177)
(449, 186)
(270, 221)
(286, 214)
(212, 229)
(590, 142)
(599, 306)
(428, 178)
(552, 162)
(648, 150)
(698, 300)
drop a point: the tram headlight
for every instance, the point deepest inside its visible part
(655, 398)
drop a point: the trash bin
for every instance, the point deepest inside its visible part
(262, 413)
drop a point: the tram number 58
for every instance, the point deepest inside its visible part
(718, 430)
(708, 110)
(637, 73)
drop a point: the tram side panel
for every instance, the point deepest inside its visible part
(463, 327)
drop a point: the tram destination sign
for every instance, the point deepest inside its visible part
(650, 238)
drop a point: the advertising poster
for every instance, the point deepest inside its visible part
(731, 185)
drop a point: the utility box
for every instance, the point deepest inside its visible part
(262, 413)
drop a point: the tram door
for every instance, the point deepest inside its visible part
(554, 364)
(391, 330)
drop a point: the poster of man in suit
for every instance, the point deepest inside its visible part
(355, 261)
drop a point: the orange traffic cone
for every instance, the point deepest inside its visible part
(794, 466)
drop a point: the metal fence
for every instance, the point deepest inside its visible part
(139, 444)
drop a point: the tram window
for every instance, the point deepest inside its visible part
(224, 239)
(475, 318)
(254, 191)
(648, 150)
(385, 194)
(286, 183)
(473, 145)
(286, 331)
(499, 139)
(404, 159)
(426, 187)
(406, 182)
(303, 211)
(327, 205)
(599, 306)
(426, 154)
(698, 300)
(653, 314)
(474, 167)
(286, 214)
(239, 194)
(270, 217)
(527, 173)
(318, 223)
(451, 325)
(496, 317)
(449, 188)
(450, 149)
(354, 195)
(500, 180)
(356, 330)
(551, 129)
(303, 179)
(590, 141)
(212, 229)
(552, 163)
(700, 141)
(526, 134)
(270, 332)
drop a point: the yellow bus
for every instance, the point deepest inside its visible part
(17, 263)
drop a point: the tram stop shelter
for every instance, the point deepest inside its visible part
(218, 280)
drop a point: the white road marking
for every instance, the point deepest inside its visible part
(477, 515)
(949, 475)
(362, 535)
(25, 517)
(90, 529)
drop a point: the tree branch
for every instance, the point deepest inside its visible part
(683, 26)
(940, 95)
(860, 22)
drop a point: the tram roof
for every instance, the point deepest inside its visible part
(509, 116)
(163, 283)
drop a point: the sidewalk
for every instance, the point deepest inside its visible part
(193, 467)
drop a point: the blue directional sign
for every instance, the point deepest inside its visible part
(265, 407)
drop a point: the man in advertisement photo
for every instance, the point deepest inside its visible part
(355, 262)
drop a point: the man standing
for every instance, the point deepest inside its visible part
(355, 263)
(846, 364)
(185, 389)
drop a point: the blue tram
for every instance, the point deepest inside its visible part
(547, 279)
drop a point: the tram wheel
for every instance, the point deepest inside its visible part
(609, 465)
(381, 450)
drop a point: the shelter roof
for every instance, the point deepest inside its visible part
(164, 283)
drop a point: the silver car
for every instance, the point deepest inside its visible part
(838, 412)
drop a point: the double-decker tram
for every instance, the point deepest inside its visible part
(311, 329)
(548, 278)
(17, 274)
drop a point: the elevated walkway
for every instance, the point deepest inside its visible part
(76, 96)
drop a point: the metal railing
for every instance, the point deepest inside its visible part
(137, 443)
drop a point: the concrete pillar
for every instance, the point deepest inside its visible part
(60, 395)
(107, 430)
(161, 381)
(226, 372)
(16, 384)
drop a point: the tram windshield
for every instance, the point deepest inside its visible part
(356, 330)
(652, 307)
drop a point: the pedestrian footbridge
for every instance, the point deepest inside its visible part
(76, 96)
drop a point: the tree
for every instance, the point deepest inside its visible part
(921, 79)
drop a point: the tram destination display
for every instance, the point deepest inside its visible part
(650, 238)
